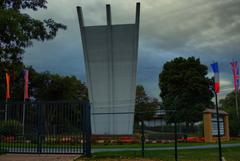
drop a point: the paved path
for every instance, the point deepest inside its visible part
(36, 157)
(167, 148)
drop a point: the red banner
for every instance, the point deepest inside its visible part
(7, 85)
(26, 84)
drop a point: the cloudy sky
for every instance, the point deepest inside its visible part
(207, 29)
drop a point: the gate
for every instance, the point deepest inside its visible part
(45, 127)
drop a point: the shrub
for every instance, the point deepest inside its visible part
(2, 151)
(10, 128)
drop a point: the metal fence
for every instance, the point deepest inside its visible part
(163, 135)
(45, 127)
(64, 127)
(147, 134)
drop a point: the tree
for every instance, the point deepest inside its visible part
(17, 29)
(185, 87)
(144, 104)
(43, 86)
(46, 86)
(228, 105)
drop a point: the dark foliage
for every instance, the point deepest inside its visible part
(17, 30)
(228, 104)
(185, 87)
(146, 106)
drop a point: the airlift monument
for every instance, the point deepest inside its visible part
(110, 53)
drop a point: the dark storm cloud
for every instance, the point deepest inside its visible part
(207, 29)
(196, 26)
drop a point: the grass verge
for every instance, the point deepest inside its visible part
(230, 154)
(149, 145)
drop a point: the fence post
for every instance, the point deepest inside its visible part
(39, 128)
(142, 132)
(83, 121)
(175, 136)
(1, 137)
(88, 130)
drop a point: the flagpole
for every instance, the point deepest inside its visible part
(235, 69)
(23, 123)
(24, 99)
(7, 94)
(216, 90)
(218, 126)
(6, 109)
(237, 85)
(236, 102)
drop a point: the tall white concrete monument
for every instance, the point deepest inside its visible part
(110, 53)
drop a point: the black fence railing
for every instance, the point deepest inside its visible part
(45, 127)
(149, 130)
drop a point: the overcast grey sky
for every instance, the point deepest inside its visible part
(207, 29)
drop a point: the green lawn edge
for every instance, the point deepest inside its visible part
(230, 154)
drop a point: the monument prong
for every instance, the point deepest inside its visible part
(109, 17)
(137, 19)
(80, 16)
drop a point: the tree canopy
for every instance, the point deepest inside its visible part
(17, 29)
(43, 86)
(185, 87)
(228, 105)
(46, 86)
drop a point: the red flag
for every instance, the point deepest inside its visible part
(26, 84)
(7, 85)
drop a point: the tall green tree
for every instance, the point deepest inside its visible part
(228, 105)
(17, 29)
(144, 104)
(46, 86)
(185, 87)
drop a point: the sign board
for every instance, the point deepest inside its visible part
(215, 127)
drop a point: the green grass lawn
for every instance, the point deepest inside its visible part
(110, 146)
(230, 154)
(180, 144)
